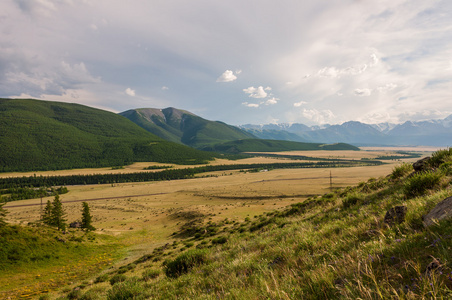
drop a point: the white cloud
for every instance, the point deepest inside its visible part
(271, 101)
(298, 104)
(227, 76)
(387, 87)
(258, 92)
(253, 105)
(321, 117)
(362, 92)
(375, 59)
(329, 72)
(130, 92)
(165, 88)
(397, 53)
(333, 72)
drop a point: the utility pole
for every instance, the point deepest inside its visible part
(331, 181)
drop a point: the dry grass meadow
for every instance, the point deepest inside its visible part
(143, 213)
(143, 216)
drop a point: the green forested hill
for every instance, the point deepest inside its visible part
(257, 145)
(45, 135)
(184, 127)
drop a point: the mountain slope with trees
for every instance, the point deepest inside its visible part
(184, 127)
(258, 145)
(47, 135)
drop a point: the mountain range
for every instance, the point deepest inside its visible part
(411, 133)
(47, 135)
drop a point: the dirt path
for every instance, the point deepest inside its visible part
(88, 200)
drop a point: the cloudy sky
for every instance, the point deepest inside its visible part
(237, 61)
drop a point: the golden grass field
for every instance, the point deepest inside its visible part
(142, 215)
(127, 208)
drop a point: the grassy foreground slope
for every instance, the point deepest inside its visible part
(45, 135)
(335, 246)
(257, 145)
(35, 260)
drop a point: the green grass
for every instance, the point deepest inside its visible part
(336, 246)
(36, 260)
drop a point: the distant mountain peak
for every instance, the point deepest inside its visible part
(184, 127)
(428, 133)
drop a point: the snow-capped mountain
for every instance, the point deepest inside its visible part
(426, 133)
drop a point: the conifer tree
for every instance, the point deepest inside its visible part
(58, 214)
(86, 218)
(47, 214)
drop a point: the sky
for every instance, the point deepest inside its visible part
(238, 61)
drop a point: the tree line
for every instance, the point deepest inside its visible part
(23, 193)
(169, 174)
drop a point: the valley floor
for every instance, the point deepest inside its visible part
(144, 216)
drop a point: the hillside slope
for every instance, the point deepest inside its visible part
(184, 127)
(45, 135)
(257, 145)
(345, 244)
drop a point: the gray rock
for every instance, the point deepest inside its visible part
(421, 165)
(441, 211)
(395, 215)
(75, 224)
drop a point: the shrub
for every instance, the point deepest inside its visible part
(184, 262)
(150, 274)
(401, 170)
(446, 168)
(118, 278)
(130, 289)
(420, 183)
(351, 200)
(440, 156)
(329, 196)
(74, 294)
(219, 240)
(101, 278)
(94, 294)
(189, 244)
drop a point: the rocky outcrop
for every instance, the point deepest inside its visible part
(422, 165)
(441, 211)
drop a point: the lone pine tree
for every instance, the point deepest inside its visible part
(86, 218)
(58, 213)
(47, 214)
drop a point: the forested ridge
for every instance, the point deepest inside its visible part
(45, 135)
(258, 145)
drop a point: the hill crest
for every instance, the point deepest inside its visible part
(184, 127)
